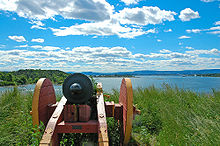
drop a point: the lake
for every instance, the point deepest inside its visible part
(197, 84)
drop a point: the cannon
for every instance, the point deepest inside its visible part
(82, 109)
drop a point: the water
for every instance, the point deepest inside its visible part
(197, 84)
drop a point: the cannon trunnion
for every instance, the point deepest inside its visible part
(80, 111)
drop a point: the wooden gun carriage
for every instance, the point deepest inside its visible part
(80, 110)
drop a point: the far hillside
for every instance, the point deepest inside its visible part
(31, 76)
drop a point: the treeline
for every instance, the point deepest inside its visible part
(114, 76)
(31, 76)
(210, 75)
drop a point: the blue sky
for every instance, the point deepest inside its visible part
(109, 35)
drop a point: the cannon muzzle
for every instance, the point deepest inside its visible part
(77, 88)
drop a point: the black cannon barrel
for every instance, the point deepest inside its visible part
(77, 88)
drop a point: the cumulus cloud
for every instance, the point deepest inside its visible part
(194, 30)
(36, 47)
(93, 10)
(168, 30)
(38, 40)
(50, 48)
(100, 18)
(22, 46)
(2, 46)
(105, 59)
(105, 28)
(190, 48)
(17, 38)
(37, 25)
(217, 23)
(188, 14)
(117, 25)
(212, 30)
(8, 5)
(184, 37)
(165, 51)
(213, 51)
(208, 1)
(144, 16)
(128, 2)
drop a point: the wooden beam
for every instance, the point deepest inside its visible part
(78, 127)
(49, 136)
(110, 108)
(102, 128)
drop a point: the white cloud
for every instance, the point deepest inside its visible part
(214, 28)
(184, 37)
(128, 2)
(39, 40)
(2, 46)
(37, 47)
(194, 30)
(8, 5)
(217, 23)
(144, 16)
(158, 40)
(165, 51)
(50, 48)
(93, 10)
(37, 25)
(214, 32)
(17, 38)
(100, 17)
(208, 1)
(214, 51)
(117, 24)
(106, 59)
(168, 30)
(22, 46)
(180, 44)
(190, 48)
(105, 28)
(188, 14)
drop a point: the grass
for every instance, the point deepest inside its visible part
(169, 116)
(15, 119)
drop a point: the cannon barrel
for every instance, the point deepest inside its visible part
(77, 88)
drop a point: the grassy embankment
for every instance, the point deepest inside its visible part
(169, 117)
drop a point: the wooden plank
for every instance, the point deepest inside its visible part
(110, 108)
(70, 113)
(102, 127)
(118, 114)
(78, 127)
(49, 132)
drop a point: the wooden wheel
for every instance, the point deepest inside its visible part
(44, 95)
(126, 99)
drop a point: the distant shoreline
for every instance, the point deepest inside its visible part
(113, 76)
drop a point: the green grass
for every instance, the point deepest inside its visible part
(15, 119)
(169, 116)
